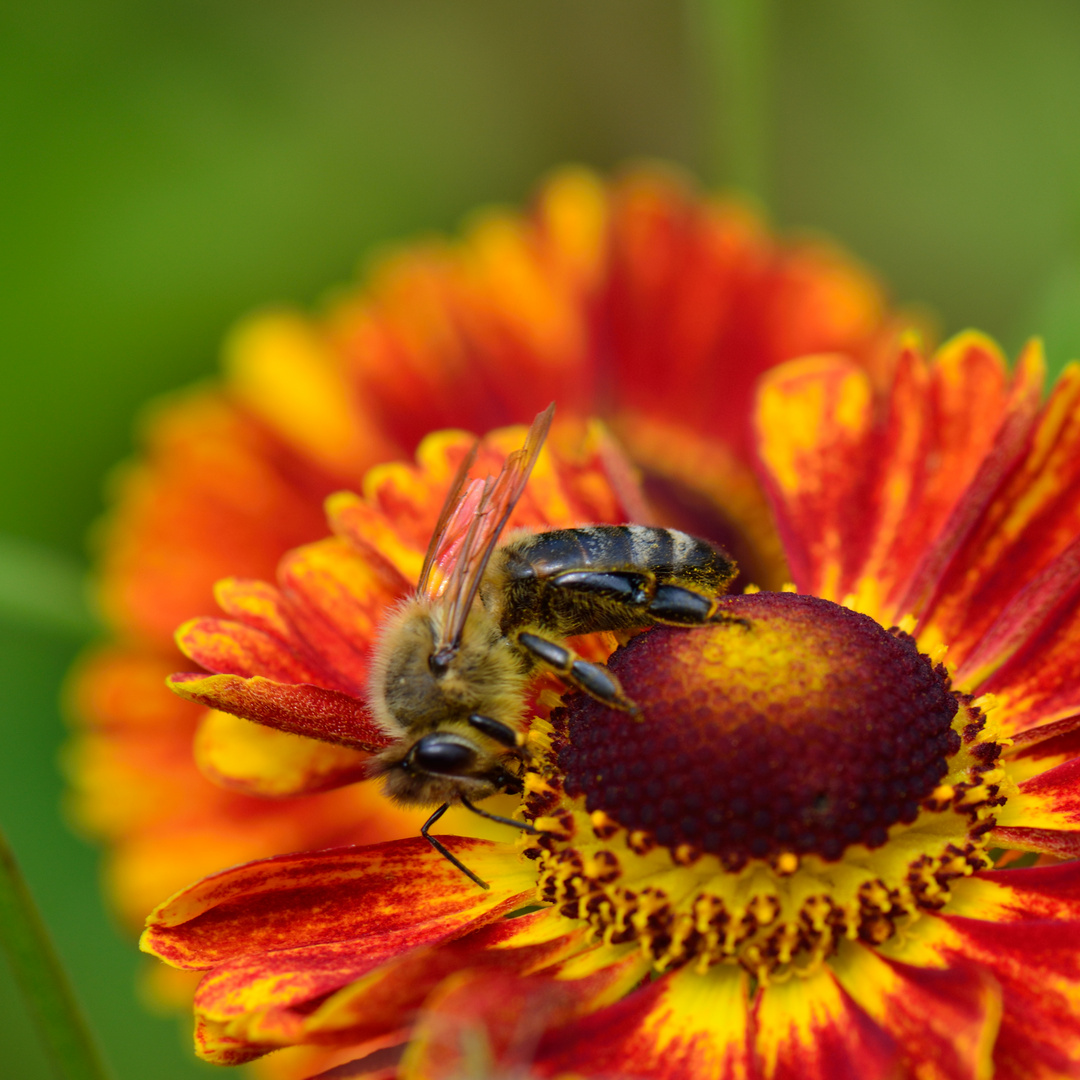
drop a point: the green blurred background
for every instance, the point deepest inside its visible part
(168, 165)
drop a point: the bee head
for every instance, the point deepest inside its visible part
(442, 766)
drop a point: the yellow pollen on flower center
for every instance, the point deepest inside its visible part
(742, 832)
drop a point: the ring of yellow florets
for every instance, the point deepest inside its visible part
(778, 914)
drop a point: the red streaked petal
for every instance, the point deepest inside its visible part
(274, 982)
(864, 489)
(944, 1020)
(398, 542)
(255, 603)
(1045, 814)
(1051, 595)
(337, 600)
(367, 895)
(1037, 964)
(941, 422)
(264, 1002)
(1038, 684)
(388, 998)
(1056, 842)
(510, 1016)
(810, 1029)
(1035, 892)
(257, 760)
(813, 418)
(681, 1025)
(213, 1043)
(1009, 585)
(383, 999)
(973, 511)
(231, 648)
(300, 709)
(1046, 740)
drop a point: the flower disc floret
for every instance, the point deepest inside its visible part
(799, 774)
(802, 726)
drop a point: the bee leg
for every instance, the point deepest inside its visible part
(497, 730)
(444, 851)
(681, 607)
(677, 606)
(594, 679)
(524, 826)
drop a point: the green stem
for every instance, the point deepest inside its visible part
(733, 43)
(42, 979)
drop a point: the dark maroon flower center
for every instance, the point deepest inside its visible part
(804, 727)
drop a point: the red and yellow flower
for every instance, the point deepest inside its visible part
(635, 300)
(787, 867)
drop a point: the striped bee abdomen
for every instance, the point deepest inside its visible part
(606, 577)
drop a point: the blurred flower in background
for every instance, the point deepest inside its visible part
(168, 167)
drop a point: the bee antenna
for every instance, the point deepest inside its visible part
(444, 851)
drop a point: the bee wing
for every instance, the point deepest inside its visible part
(497, 499)
(449, 526)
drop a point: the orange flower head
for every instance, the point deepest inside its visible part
(801, 855)
(634, 299)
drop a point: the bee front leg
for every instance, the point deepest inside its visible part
(444, 851)
(594, 679)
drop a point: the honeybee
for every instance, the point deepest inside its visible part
(452, 662)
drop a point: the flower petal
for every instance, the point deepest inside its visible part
(683, 279)
(215, 493)
(1032, 623)
(1037, 964)
(883, 499)
(506, 1017)
(1021, 538)
(231, 648)
(813, 418)
(358, 895)
(1045, 813)
(682, 1024)
(388, 998)
(336, 601)
(1035, 892)
(1038, 685)
(977, 505)
(941, 421)
(284, 369)
(944, 1020)
(258, 760)
(810, 1029)
(298, 708)
(378, 1001)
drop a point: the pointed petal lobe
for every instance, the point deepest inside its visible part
(366, 895)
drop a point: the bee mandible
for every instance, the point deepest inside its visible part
(452, 662)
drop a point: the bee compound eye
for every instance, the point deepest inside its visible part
(438, 754)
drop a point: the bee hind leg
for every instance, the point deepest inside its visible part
(444, 851)
(677, 606)
(594, 679)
